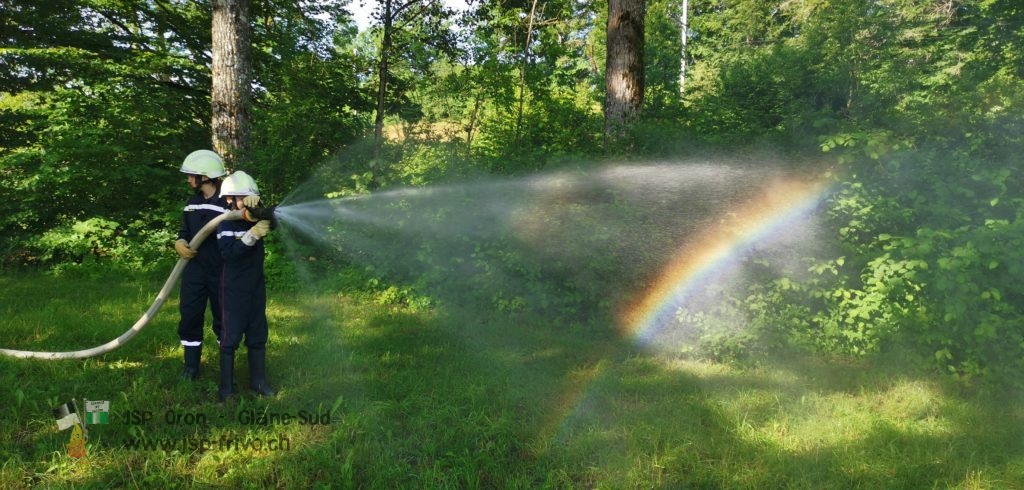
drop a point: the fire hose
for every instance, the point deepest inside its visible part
(161, 297)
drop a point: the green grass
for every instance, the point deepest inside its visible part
(436, 399)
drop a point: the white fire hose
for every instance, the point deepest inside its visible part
(146, 317)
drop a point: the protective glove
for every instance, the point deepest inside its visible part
(251, 201)
(257, 232)
(260, 229)
(184, 251)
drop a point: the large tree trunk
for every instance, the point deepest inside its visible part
(624, 66)
(232, 78)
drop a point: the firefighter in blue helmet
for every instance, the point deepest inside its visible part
(200, 281)
(243, 287)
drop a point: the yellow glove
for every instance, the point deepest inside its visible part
(260, 229)
(251, 201)
(184, 251)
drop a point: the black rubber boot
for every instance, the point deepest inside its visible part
(227, 377)
(258, 373)
(192, 355)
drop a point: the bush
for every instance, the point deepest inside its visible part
(97, 243)
(933, 235)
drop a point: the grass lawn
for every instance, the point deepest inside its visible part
(377, 395)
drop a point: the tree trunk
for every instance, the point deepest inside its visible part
(382, 78)
(624, 66)
(232, 78)
(477, 101)
(684, 37)
(522, 74)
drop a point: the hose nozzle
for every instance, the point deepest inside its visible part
(261, 213)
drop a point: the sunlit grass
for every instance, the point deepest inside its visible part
(428, 399)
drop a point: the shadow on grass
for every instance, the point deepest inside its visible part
(467, 402)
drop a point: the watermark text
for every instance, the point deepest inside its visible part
(225, 442)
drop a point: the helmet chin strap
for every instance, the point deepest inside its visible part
(214, 182)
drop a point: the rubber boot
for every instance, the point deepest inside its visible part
(226, 390)
(258, 373)
(192, 355)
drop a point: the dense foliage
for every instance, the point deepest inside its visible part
(914, 105)
(101, 100)
(920, 104)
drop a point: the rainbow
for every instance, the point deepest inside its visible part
(698, 262)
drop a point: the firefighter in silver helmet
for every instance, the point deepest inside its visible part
(243, 287)
(200, 281)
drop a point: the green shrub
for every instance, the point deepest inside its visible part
(98, 243)
(932, 264)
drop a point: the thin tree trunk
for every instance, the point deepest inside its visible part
(624, 66)
(522, 73)
(230, 94)
(382, 83)
(682, 59)
(472, 122)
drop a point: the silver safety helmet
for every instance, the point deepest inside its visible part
(239, 184)
(203, 162)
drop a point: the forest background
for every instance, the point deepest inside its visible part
(915, 106)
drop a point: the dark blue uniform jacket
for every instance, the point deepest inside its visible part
(198, 212)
